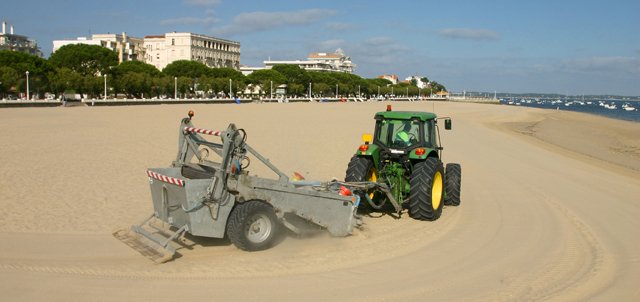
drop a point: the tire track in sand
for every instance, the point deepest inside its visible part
(379, 240)
(578, 269)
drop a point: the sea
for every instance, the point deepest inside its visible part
(618, 109)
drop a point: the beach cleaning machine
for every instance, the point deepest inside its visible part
(204, 197)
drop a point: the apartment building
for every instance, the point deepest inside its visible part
(391, 77)
(13, 42)
(320, 61)
(161, 50)
(128, 48)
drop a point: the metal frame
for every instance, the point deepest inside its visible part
(202, 205)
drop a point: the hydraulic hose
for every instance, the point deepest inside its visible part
(373, 204)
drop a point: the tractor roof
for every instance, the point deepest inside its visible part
(406, 115)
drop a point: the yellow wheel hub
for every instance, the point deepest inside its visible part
(373, 177)
(436, 190)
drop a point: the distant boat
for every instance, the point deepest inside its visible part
(628, 107)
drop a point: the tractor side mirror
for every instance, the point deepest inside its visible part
(367, 138)
(447, 124)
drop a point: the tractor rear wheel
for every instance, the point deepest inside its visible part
(362, 169)
(427, 188)
(253, 226)
(452, 184)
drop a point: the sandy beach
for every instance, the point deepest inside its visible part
(550, 207)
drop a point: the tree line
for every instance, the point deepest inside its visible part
(84, 69)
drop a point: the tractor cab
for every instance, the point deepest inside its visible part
(405, 134)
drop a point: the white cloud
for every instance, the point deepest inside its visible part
(603, 64)
(207, 20)
(379, 41)
(469, 34)
(264, 21)
(340, 26)
(190, 21)
(328, 45)
(203, 2)
(377, 51)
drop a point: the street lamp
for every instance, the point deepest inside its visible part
(378, 90)
(336, 90)
(407, 91)
(271, 89)
(105, 86)
(27, 72)
(309, 90)
(195, 87)
(230, 88)
(175, 88)
(358, 90)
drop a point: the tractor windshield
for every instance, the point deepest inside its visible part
(399, 133)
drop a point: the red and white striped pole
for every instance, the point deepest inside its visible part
(164, 178)
(202, 131)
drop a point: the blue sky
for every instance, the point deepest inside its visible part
(567, 47)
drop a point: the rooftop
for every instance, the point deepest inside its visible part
(406, 115)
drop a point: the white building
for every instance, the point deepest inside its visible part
(57, 44)
(320, 61)
(391, 77)
(13, 42)
(216, 53)
(247, 70)
(419, 81)
(337, 60)
(161, 50)
(307, 65)
(128, 48)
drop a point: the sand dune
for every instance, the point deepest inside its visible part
(549, 208)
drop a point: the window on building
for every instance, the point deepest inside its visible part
(173, 41)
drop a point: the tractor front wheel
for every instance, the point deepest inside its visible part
(253, 226)
(452, 184)
(427, 188)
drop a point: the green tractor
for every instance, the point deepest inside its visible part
(404, 156)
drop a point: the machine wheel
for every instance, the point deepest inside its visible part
(452, 184)
(253, 226)
(426, 193)
(362, 169)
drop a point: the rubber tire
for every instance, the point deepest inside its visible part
(358, 169)
(420, 194)
(452, 184)
(241, 219)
